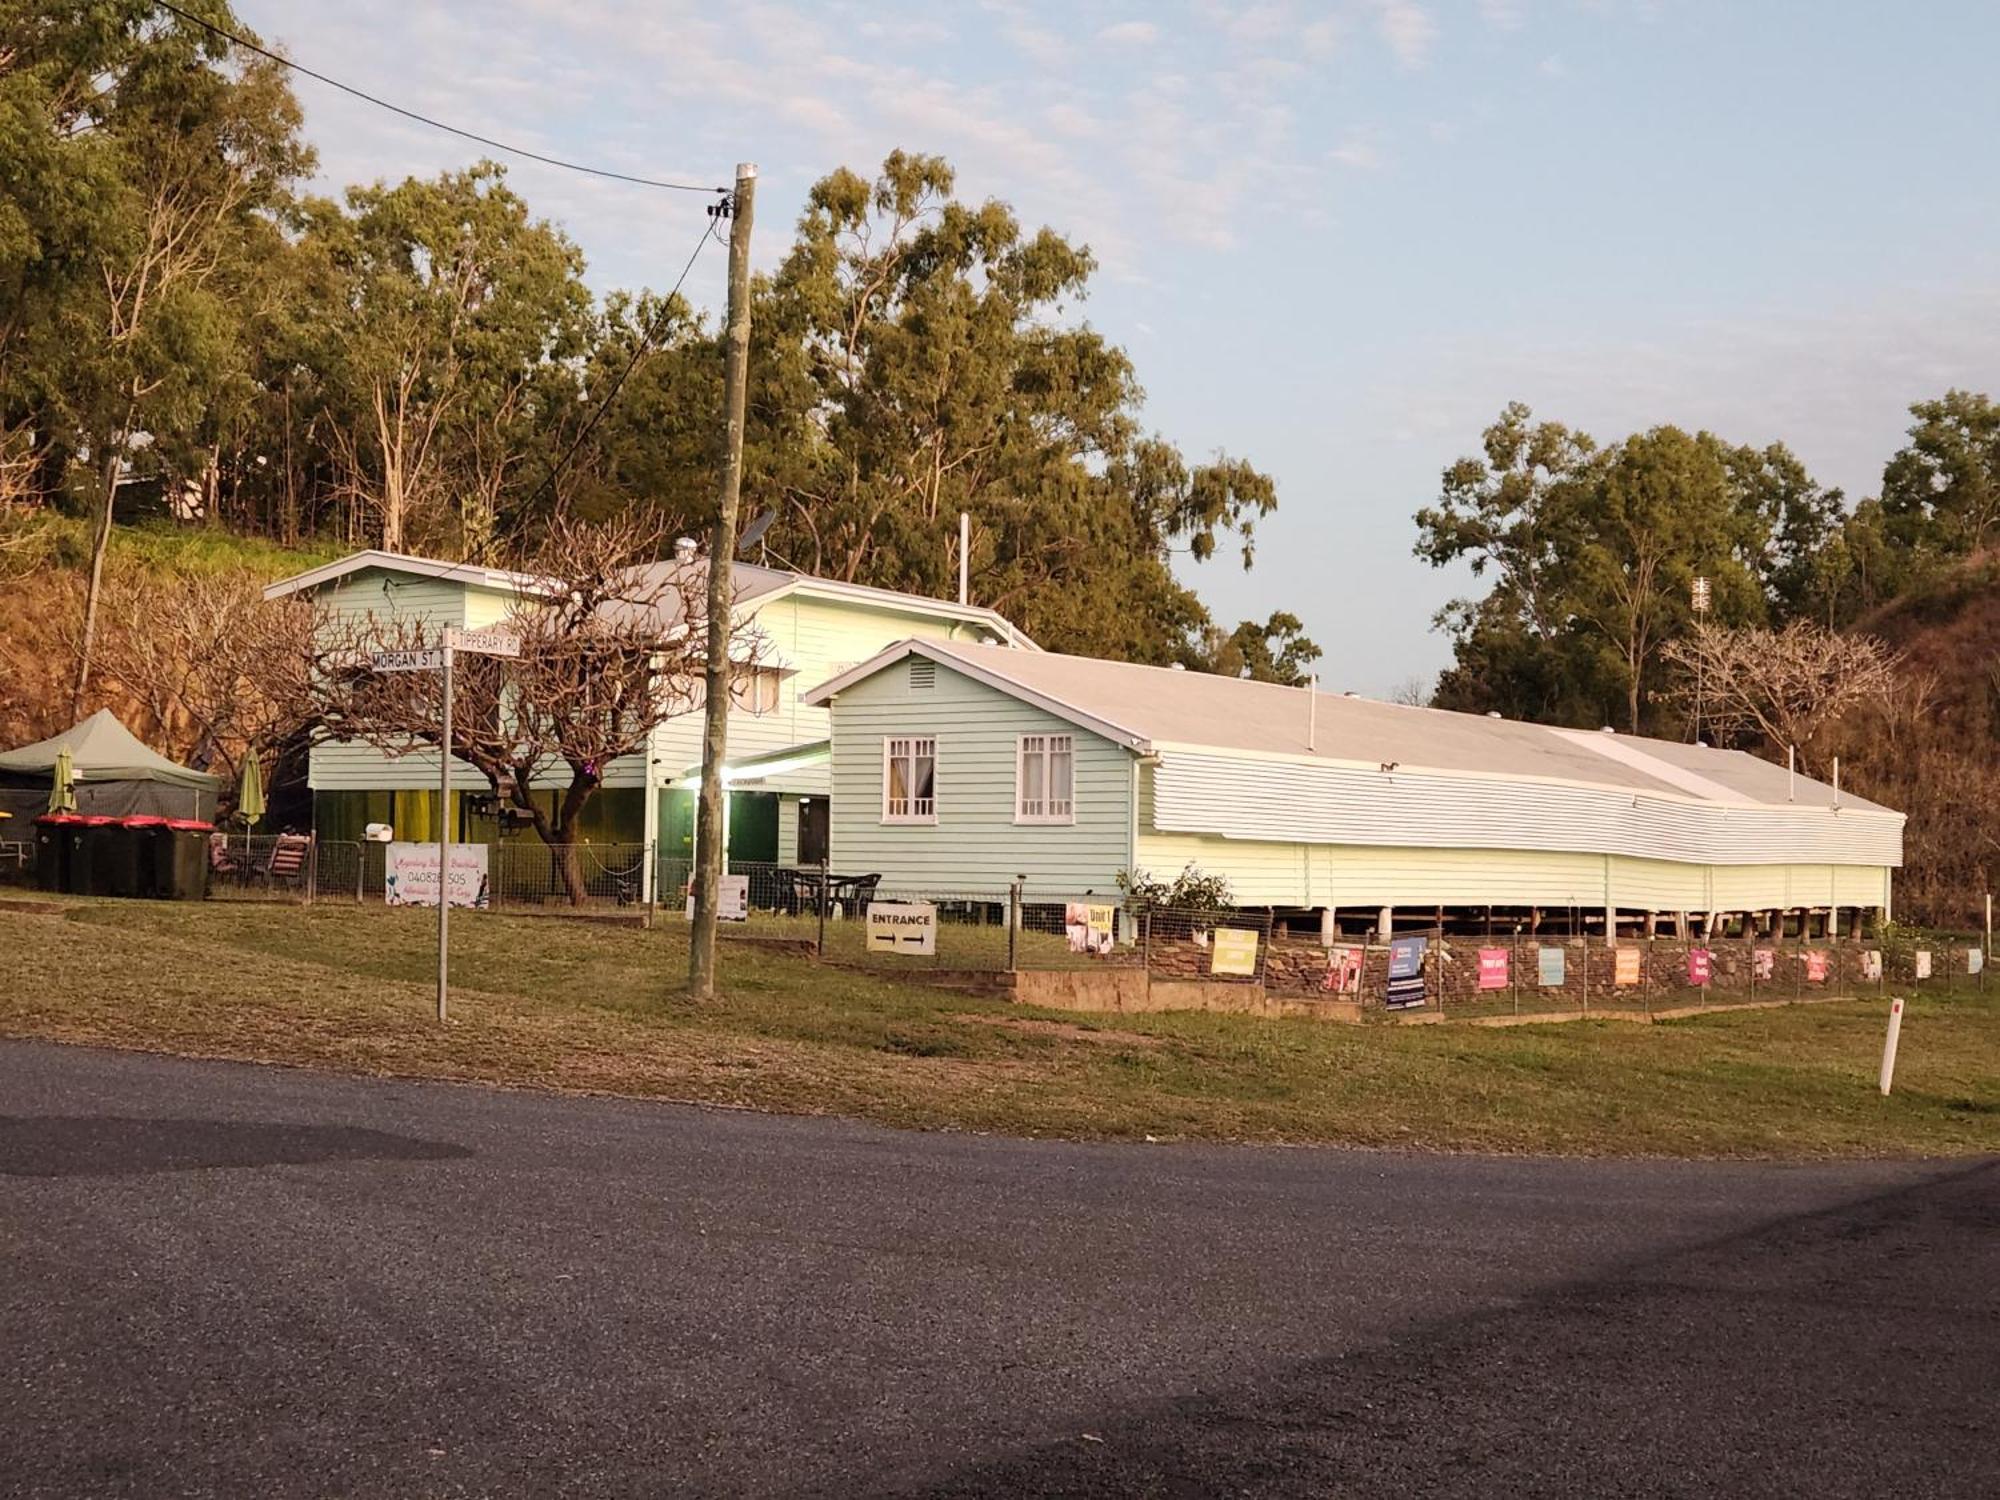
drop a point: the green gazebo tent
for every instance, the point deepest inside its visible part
(113, 771)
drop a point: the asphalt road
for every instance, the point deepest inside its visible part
(222, 1280)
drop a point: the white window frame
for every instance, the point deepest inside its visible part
(1050, 813)
(756, 684)
(911, 814)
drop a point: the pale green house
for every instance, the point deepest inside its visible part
(960, 767)
(799, 630)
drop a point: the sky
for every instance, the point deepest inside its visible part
(1335, 239)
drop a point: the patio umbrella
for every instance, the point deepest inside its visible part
(250, 792)
(62, 791)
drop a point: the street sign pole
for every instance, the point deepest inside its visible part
(444, 830)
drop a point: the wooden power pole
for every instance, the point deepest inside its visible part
(709, 853)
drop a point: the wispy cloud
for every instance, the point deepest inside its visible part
(1130, 34)
(1408, 30)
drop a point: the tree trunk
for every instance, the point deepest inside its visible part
(114, 452)
(571, 870)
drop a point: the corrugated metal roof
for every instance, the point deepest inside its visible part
(1200, 710)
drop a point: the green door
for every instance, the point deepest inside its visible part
(753, 827)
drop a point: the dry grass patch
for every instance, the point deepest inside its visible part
(578, 1006)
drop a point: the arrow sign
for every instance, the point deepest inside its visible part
(406, 661)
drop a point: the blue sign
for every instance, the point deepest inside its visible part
(1406, 973)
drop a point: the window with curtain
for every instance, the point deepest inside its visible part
(1045, 779)
(909, 780)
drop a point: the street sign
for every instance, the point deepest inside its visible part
(902, 927)
(406, 661)
(488, 642)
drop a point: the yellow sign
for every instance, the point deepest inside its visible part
(1626, 962)
(1232, 950)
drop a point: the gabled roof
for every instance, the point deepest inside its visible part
(754, 585)
(103, 749)
(474, 574)
(1151, 709)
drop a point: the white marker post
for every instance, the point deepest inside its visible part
(1889, 1044)
(480, 643)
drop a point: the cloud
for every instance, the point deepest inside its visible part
(1130, 34)
(1408, 30)
(1357, 152)
(1553, 66)
(1502, 15)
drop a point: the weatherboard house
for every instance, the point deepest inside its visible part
(961, 766)
(804, 629)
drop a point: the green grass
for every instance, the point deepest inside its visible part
(574, 1005)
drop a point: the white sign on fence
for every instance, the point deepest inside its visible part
(406, 661)
(732, 899)
(902, 927)
(410, 874)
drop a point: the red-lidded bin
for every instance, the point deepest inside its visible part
(52, 850)
(92, 851)
(180, 859)
(131, 848)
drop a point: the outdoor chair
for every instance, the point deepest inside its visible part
(287, 863)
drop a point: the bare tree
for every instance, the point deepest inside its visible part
(612, 646)
(1792, 685)
(219, 672)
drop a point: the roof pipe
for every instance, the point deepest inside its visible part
(1791, 773)
(964, 556)
(1312, 708)
(1836, 783)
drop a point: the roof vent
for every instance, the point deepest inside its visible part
(923, 674)
(1607, 729)
(1178, 666)
(1494, 713)
(684, 549)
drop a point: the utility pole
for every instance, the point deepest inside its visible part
(708, 829)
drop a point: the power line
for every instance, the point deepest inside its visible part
(410, 114)
(639, 352)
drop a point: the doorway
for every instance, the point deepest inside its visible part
(813, 843)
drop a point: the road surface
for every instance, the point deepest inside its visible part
(228, 1280)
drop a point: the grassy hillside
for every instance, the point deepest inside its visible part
(44, 561)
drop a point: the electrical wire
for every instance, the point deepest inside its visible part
(639, 352)
(410, 114)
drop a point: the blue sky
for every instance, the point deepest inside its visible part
(1335, 238)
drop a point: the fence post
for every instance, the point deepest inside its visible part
(1013, 921)
(819, 944)
(360, 870)
(312, 865)
(1437, 965)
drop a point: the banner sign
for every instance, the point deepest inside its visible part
(1923, 957)
(1406, 973)
(410, 874)
(1815, 966)
(1975, 960)
(1088, 927)
(1493, 968)
(902, 927)
(1699, 963)
(732, 899)
(1549, 968)
(1233, 950)
(1763, 963)
(1343, 972)
(1871, 964)
(1625, 966)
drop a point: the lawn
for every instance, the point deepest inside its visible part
(561, 1004)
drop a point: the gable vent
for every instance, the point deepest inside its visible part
(923, 674)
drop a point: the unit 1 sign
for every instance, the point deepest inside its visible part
(902, 927)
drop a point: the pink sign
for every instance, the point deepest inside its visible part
(1815, 966)
(1493, 968)
(1698, 967)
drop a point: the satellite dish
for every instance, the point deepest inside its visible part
(754, 532)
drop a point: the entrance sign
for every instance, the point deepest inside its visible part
(1233, 950)
(410, 875)
(902, 927)
(406, 661)
(732, 900)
